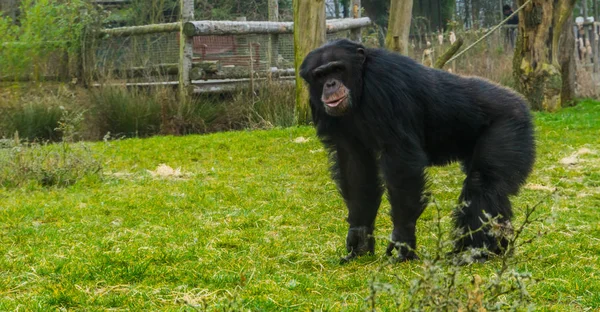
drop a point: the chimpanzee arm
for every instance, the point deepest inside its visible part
(357, 176)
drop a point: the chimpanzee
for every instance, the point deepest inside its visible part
(384, 118)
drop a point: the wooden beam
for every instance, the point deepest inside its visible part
(204, 28)
(348, 23)
(209, 67)
(141, 30)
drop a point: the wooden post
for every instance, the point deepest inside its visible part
(309, 33)
(273, 47)
(355, 33)
(594, 43)
(186, 45)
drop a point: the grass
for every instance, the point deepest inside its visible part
(252, 221)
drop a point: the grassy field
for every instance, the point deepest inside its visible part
(252, 221)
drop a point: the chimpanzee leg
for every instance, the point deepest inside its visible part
(500, 164)
(405, 180)
(357, 177)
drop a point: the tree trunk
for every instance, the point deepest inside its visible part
(345, 8)
(336, 8)
(538, 58)
(467, 15)
(399, 25)
(309, 33)
(567, 63)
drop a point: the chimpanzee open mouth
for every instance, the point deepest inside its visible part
(336, 102)
(336, 98)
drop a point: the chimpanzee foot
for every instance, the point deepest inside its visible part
(479, 248)
(404, 253)
(406, 250)
(360, 241)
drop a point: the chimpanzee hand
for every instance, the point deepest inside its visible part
(359, 241)
(406, 248)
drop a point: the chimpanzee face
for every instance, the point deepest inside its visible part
(333, 74)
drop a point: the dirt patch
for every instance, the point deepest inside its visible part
(539, 187)
(574, 159)
(165, 171)
(300, 140)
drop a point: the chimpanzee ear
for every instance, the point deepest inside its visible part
(361, 53)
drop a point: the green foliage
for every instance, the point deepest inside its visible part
(143, 12)
(46, 30)
(230, 9)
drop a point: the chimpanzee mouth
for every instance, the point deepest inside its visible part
(336, 102)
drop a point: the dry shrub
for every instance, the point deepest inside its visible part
(270, 105)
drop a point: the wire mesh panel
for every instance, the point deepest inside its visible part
(233, 51)
(115, 56)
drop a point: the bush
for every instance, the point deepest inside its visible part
(124, 112)
(62, 164)
(35, 112)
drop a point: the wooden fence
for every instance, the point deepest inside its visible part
(216, 55)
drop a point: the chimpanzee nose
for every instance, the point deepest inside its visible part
(330, 84)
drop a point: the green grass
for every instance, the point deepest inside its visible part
(254, 222)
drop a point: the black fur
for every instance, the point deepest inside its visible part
(403, 117)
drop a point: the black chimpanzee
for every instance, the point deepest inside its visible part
(380, 112)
